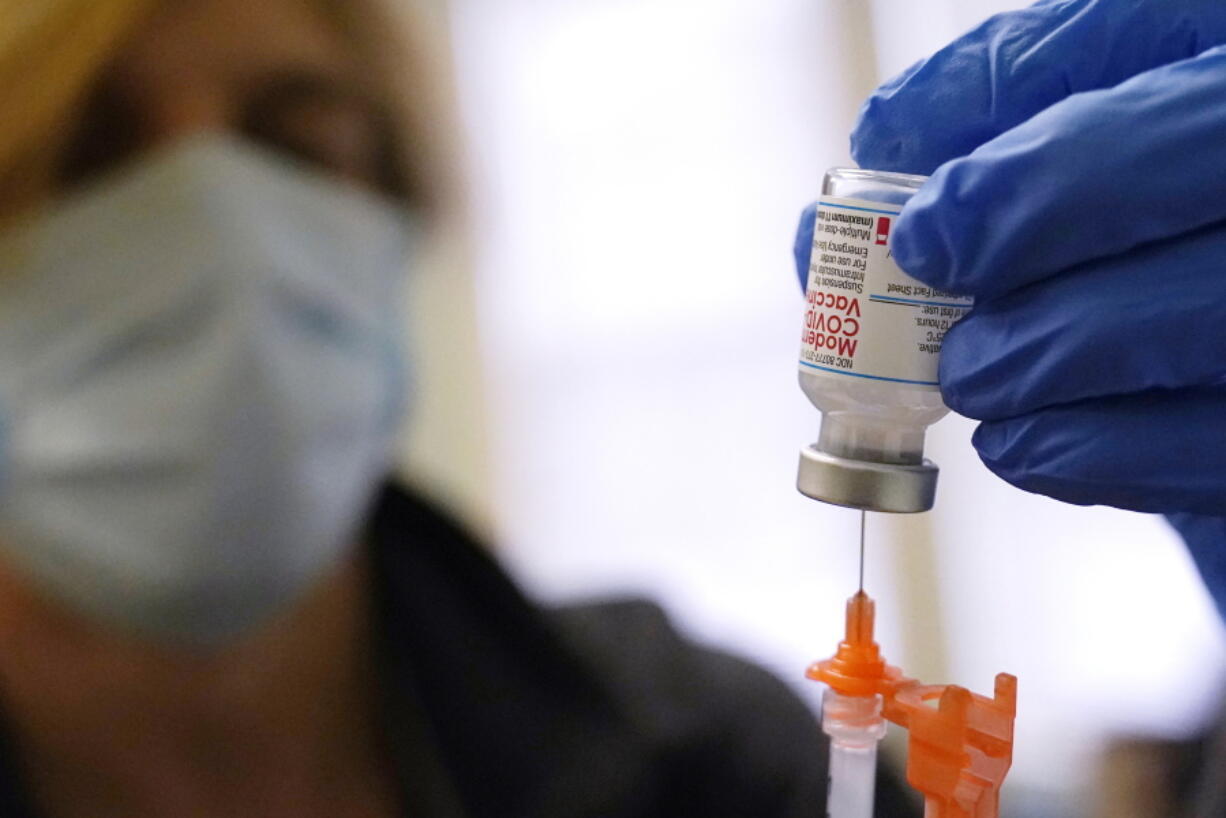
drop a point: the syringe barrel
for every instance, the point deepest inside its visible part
(855, 726)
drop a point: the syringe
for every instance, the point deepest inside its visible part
(854, 723)
(855, 726)
(870, 347)
(958, 752)
(852, 711)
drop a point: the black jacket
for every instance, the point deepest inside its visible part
(496, 708)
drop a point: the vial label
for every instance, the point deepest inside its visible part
(865, 317)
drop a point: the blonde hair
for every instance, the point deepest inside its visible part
(51, 52)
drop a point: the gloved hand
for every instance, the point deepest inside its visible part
(1078, 158)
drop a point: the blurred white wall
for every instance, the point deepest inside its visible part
(639, 166)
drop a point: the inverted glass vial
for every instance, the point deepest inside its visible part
(869, 351)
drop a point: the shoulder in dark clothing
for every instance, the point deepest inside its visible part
(593, 710)
(494, 708)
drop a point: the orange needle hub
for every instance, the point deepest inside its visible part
(959, 751)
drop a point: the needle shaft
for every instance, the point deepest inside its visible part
(863, 517)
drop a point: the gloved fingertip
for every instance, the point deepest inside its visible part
(1205, 537)
(877, 141)
(906, 244)
(1013, 451)
(991, 443)
(995, 443)
(803, 246)
(1002, 447)
(965, 375)
(874, 144)
(952, 393)
(1035, 454)
(913, 247)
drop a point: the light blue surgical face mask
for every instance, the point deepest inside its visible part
(200, 380)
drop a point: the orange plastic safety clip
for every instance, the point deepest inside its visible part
(959, 750)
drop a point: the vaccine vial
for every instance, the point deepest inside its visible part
(869, 350)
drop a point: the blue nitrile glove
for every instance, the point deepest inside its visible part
(1078, 158)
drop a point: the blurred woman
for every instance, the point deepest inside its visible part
(213, 600)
